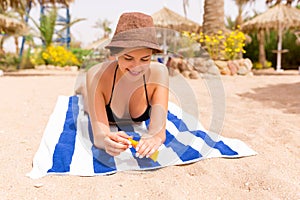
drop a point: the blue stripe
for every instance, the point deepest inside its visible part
(184, 152)
(102, 161)
(64, 149)
(220, 145)
(144, 163)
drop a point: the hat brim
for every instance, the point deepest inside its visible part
(118, 46)
(139, 37)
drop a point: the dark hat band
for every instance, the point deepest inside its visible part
(140, 37)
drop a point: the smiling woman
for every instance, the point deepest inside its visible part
(128, 89)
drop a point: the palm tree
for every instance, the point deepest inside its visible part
(213, 18)
(240, 4)
(47, 27)
(185, 5)
(104, 25)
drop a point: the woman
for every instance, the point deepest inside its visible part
(129, 89)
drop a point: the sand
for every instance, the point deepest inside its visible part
(263, 111)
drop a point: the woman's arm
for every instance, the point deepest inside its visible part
(159, 103)
(113, 143)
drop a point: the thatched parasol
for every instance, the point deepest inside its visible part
(11, 26)
(280, 18)
(166, 18)
(5, 4)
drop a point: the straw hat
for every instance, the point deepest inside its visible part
(134, 30)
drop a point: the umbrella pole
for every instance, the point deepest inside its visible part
(279, 49)
(165, 41)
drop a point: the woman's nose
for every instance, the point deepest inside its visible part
(135, 63)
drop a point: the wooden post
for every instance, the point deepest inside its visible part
(279, 48)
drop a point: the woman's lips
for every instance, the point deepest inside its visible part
(134, 73)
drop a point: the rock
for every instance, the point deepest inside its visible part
(186, 74)
(201, 69)
(194, 74)
(243, 70)
(199, 62)
(213, 70)
(233, 66)
(221, 64)
(173, 72)
(248, 63)
(73, 68)
(50, 67)
(41, 67)
(225, 71)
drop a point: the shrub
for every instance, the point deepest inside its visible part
(228, 45)
(55, 55)
(81, 54)
(290, 60)
(9, 62)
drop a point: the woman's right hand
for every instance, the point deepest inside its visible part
(116, 142)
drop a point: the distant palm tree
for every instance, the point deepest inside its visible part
(185, 5)
(104, 25)
(240, 4)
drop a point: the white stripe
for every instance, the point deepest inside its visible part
(238, 146)
(82, 160)
(168, 157)
(191, 122)
(125, 161)
(42, 160)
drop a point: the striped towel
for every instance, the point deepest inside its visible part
(67, 145)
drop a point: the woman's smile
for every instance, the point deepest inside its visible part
(133, 72)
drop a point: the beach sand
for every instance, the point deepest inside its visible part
(263, 111)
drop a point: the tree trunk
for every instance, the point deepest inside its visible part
(213, 19)
(262, 53)
(2, 52)
(17, 44)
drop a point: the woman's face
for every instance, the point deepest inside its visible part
(135, 63)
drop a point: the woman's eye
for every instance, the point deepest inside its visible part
(145, 59)
(126, 58)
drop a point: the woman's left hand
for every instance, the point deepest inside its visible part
(148, 145)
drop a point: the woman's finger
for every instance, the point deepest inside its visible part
(144, 148)
(114, 144)
(123, 137)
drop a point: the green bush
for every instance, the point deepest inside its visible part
(290, 60)
(80, 53)
(9, 62)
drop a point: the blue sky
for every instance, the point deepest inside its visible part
(94, 10)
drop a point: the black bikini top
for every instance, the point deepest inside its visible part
(112, 118)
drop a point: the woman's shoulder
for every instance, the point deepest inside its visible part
(159, 72)
(160, 68)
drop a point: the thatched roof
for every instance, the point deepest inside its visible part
(11, 26)
(98, 44)
(285, 16)
(16, 4)
(166, 18)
